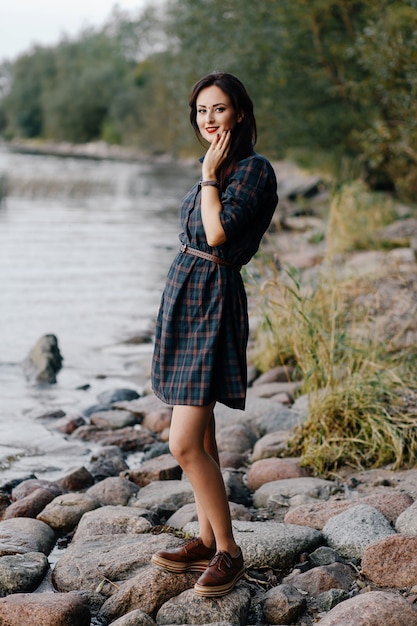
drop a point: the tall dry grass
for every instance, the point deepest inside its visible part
(362, 396)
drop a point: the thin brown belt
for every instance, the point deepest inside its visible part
(185, 249)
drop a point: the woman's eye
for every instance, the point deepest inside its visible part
(201, 111)
(220, 109)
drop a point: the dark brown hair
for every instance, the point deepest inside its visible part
(244, 134)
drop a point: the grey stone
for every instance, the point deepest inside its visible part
(112, 491)
(406, 523)
(235, 438)
(134, 618)
(329, 599)
(271, 445)
(188, 608)
(23, 534)
(64, 512)
(283, 605)
(22, 572)
(270, 543)
(43, 361)
(164, 495)
(111, 520)
(375, 608)
(323, 556)
(102, 562)
(117, 395)
(350, 532)
(263, 415)
(113, 419)
(281, 492)
(147, 591)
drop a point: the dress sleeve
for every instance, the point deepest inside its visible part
(252, 185)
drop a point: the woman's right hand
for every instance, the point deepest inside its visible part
(216, 155)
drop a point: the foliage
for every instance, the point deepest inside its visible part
(358, 412)
(328, 76)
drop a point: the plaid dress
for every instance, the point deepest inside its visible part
(202, 325)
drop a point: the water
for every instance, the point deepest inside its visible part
(84, 250)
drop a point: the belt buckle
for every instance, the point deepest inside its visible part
(183, 247)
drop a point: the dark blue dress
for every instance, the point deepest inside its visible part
(202, 325)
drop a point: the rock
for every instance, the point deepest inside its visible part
(128, 439)
(392, 562)
(279, 492)
(328, 599)
(135, 618)
(104, 561)
(262, 415)
(44, 609)
(271, 445)
(323, 556)
(117, 395)
(108, 462)
(322, 578)
(268, 470)
(237, 438)
(31, 505)
(164, 496)
(23, 534)
(75, 480)
(283, 605)
(278, 374)
(188, 513)
(351, 531)
(236, 490)
(389, 502)
(26, 487)
(111, 520)
(406, 523)
(268, 390)
(113, 420)
(64, 512)
(375, 608)
(43, 361)
(158, 421)
(155, 449)
(187, 608)
(113, 490)
(163, 467)
(67, 425)
(147, 592)
(22, 572)
(270, 544)
(233, 460)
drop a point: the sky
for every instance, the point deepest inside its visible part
(24, 23)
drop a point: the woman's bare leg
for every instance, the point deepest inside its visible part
(193, 444)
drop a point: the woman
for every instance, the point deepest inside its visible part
(202, 326)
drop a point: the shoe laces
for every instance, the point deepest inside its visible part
(219, 557)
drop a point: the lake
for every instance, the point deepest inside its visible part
(85, 246)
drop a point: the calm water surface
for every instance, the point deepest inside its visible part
(84, 250)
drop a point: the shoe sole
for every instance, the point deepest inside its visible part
(219, 590)
(179, 568)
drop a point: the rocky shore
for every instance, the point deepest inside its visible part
(336, 552)
(340, 551)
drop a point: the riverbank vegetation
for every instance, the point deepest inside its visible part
(351, 346)
(335, 88)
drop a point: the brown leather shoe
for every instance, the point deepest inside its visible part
(192, 556)
(221, 576)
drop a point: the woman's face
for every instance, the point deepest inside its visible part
(215, 112)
